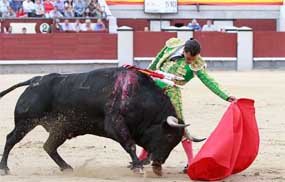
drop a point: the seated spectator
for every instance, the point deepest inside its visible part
(68, 3)
(55, 13)
(4, 5)
(77, 26)
(79, 8)
(15, 4)
(99, 25)
(194, 25)
(87, 13)
(60, 5)
(48, 6)
(39, 9)
(87, 26)
(29, 8)
(209, 26)
(20, 13)
(66, 26)
(95, 9)
(10, 14)
(57, 26)
(68, 12)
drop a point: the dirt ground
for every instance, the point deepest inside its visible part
(100, 159)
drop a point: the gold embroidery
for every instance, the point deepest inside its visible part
(197, 64)
(172, 45)
(174, 42)
(181, 69)
(167, 66)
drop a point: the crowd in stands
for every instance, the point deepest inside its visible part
(77, 26)
(51, 8)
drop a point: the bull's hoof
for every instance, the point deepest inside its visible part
(4, 172)
(157, 170)
(67, 169)
(138, 170)
(133, 165)
(136, 167)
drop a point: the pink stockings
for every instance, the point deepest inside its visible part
(187, 146)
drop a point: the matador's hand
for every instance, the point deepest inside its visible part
(231, 99)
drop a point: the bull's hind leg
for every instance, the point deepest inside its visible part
(53, 142)
(20, 130)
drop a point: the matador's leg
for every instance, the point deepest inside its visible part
(174, 94)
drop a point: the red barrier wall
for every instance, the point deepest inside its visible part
(69, 46)
(269, 44)
(257, 24)
(148, 44)
(217, 44)
(1, 47)
(136, 24)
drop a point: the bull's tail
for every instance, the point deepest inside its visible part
(25, 83)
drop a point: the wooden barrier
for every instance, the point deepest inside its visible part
(269, 44)
(257, 24)
(217, 44)
(148, 44)
(69, 46)
(94, 45)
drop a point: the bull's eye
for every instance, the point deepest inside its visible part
(169, 136)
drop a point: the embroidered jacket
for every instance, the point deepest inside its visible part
(180, 68)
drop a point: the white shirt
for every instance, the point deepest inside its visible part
(178, 52)
(209, 28)
(76, 27)
(28, 6)
(84, 27)
(66, 27)
(4, 6)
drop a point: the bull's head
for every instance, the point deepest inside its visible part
(162, 139)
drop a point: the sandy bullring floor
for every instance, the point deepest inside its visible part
(99, 159)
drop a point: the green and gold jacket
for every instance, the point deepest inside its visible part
(180, 68)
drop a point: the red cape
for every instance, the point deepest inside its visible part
(231, 148)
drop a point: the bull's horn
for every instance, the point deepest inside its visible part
(190, 137)
(173, 122)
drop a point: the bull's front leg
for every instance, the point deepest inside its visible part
(120, 132)
(136, 164)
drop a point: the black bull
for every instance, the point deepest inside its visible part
(116, 103)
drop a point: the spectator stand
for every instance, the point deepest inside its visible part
(43, 25)
(83, 25)
(46, 8)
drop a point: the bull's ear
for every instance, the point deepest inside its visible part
(165, 125)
